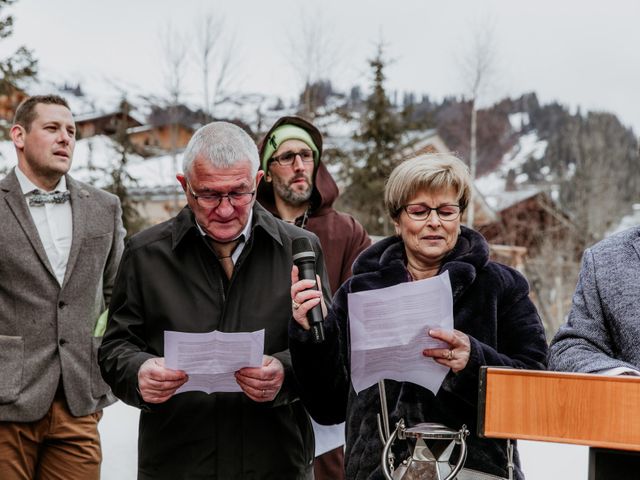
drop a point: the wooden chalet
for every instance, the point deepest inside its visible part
(104, 123)
(542, 242)
(525, 218)
(159, 139)
(9, 101)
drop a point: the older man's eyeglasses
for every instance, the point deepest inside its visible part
(420, 211)
(213, 200)
(287, 158)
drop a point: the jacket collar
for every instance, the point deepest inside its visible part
(470, 254)
(185, 225)
(16, 202)
(79, 211)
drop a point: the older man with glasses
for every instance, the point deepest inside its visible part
(223, 263)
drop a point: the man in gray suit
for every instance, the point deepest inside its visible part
(602, 331)
(61, 245)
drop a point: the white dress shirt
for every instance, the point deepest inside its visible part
(246, 231)
(54, 223)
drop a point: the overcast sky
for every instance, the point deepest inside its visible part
(579, 52)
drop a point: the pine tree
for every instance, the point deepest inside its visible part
(381, 138)
(119, 177)
(20, 64)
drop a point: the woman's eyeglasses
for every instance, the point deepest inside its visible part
(420, 211)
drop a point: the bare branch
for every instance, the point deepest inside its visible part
(313, 50)
(478, 64)
(477, 69)
(174, 60)
(216, 55)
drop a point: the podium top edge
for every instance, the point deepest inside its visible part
(491, 371)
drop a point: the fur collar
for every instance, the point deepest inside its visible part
(384, 262)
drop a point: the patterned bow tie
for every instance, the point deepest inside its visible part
(38, 198)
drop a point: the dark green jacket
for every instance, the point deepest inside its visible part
(169, 279)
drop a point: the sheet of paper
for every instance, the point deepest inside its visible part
(327, 437)
(211, 358)
(389, 328)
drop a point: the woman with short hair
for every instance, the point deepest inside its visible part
(495, 322)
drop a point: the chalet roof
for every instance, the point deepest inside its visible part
(484, 211)
(94, 116)
(422, 141)
(140, 128)
(149, 128)
(182, 123)
(502, 200)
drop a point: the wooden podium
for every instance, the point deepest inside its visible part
(595, 410)
(598, 411)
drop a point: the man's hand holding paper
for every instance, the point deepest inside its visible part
(157, 383)
(212, 359)
(262, 384)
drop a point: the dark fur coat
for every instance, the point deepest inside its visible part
(491, 305)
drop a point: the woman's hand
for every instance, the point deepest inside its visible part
(456, 356)
(304, 297)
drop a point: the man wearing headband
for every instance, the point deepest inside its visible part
(299, 189)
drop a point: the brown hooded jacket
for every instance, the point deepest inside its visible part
(341, 236)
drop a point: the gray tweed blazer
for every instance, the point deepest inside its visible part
(46, 329)
(603, 328)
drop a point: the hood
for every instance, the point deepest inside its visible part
(325, 190)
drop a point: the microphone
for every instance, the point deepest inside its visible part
(305, 259)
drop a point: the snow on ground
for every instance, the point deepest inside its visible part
(119, 436)
(119, 431)
(518, 121)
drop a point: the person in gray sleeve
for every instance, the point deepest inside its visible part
(602, 332)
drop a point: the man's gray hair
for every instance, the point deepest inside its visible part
(223, 144)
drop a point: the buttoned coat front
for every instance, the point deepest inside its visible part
(46, 329)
